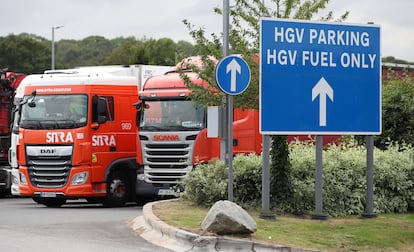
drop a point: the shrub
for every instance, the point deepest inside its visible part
(344, 180)
(247, 181)
(207, 184)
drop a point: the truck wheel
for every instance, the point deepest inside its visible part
(38, 200)
(52, 202)
(117, 190)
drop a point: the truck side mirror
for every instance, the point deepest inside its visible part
(138, 106)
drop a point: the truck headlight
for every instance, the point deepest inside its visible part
(141, 176)
(23, 179)
(15, 180)
(79, 178)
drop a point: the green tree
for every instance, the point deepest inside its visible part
(123, 53)
(67, 54)
(163, 52)
(25, 53)
(94, 50)
(143, 51)
(397, 113)
(244, 39)
(184, 49)
(392, 59)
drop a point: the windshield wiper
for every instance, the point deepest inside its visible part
(30, 124)
(151, 127)
(66, 124)
(48, 124)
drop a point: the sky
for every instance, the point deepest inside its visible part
(164, 19)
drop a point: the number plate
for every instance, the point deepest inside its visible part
(166, 192)
(48, 194)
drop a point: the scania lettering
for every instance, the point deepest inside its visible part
(166, 138)
(71, 144)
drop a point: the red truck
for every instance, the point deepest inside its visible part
(9, 81)
(75, 140)
(172, 135)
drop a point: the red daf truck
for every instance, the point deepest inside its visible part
(76, 137)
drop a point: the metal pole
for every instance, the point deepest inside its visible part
(53, 48)
(224, 131)
(265, 214)
(318, 215)
(230, 145)
(53, 45)
(369, 208)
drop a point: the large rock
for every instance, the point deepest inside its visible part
(226, 217)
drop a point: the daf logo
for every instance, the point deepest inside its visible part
(47, 151)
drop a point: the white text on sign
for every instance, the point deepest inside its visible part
(321, 58)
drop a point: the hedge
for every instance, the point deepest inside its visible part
(344, 181)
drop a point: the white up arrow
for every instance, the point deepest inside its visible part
(322, 89)
(233, 67)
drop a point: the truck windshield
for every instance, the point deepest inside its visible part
(54, 112)
(172, 115)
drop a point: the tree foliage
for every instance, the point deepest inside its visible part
(398, 113)
(25, 53)
(28, 53)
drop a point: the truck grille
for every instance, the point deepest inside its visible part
(49, 166)
(167, 162)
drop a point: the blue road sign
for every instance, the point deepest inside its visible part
(233, 75)
(319, 78)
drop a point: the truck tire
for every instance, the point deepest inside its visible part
(117, 190)
(52, 202)
(38, 200)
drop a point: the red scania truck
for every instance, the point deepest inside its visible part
(76, 137)
(172, 134)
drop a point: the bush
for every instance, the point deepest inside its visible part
(344, 180)
(247, 181)
(207, 184)
(394, 179)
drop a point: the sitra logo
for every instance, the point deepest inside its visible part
(59, 137)
(103, 140)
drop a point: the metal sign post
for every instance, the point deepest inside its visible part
(233, 78)
(328, 75)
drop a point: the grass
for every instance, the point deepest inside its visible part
(387, 232)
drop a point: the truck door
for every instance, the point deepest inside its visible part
(103, 135)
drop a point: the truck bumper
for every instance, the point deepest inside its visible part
(84, 190)
(144, 189)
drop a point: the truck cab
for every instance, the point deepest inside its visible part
(74, 138)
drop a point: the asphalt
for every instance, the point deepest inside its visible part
(152, 229)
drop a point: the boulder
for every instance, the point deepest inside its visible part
(226, 217)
